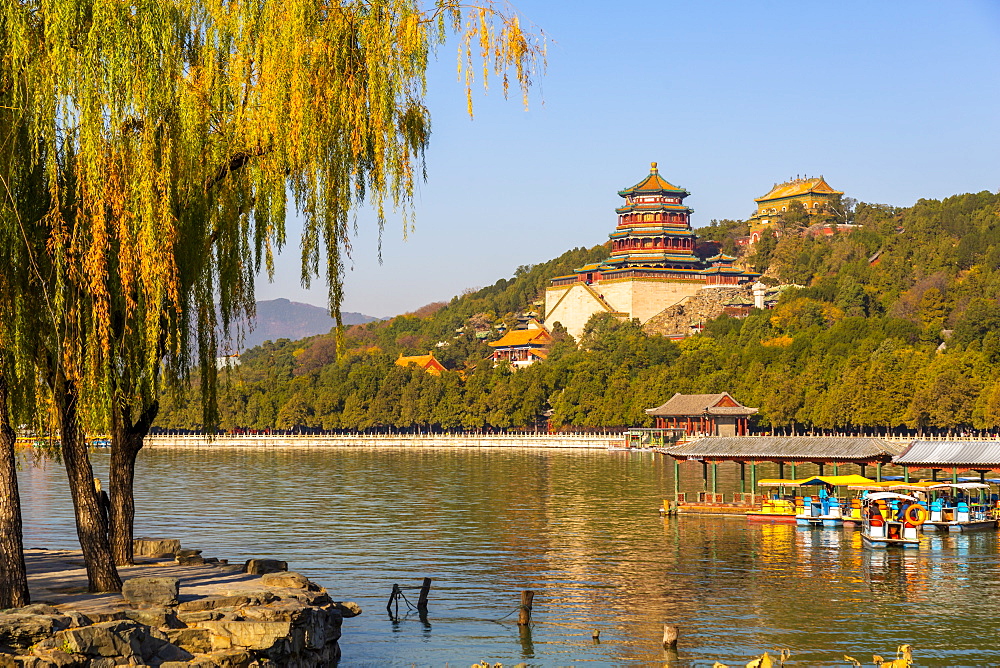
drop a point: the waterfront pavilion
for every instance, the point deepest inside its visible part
(956, 456)
(782, 450)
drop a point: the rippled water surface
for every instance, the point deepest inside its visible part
(579, 528)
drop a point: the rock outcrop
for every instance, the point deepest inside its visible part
(279, 620)
(685, 318)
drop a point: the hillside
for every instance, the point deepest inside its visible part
(284, 319)
(898, 327)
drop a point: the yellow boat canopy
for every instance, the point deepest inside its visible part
(835, 480)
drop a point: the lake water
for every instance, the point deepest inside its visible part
(581, 529)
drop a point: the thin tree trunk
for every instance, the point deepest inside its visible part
(126, 442)
(13, 574)
(102, 576)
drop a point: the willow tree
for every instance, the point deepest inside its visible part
(172, 138)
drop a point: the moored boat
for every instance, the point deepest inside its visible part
(965, 506)
(822, 509)
(890, 519)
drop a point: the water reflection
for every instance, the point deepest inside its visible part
(581, 530)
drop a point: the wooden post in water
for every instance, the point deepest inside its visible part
(669, 636)
(524, 614)
(393, 598)
(425, 589)
(677, 481)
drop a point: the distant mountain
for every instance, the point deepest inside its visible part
(284, 319)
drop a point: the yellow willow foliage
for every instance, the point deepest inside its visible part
(170, 134)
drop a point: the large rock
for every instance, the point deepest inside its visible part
(247, 635)
(121, 641)
(262, 566)
(21, 631)
(231, 601)
(348, 608)
(158, 618)
(196, 641)
(155, 547)
(151, 592)
(288, 579)
(235, 658)
(119, 638)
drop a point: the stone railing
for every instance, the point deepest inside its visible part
(470, 440)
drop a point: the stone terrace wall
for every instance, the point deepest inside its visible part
(707, 304)
(564, 441)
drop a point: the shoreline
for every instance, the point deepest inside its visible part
(545, 441)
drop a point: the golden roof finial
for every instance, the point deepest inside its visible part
(652, 167)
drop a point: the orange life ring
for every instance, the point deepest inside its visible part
(915, 515)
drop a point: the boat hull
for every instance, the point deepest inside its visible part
(956, 527)
(758, 516)
(881, 543)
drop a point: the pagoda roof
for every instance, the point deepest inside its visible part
(653, 183)
(681, 405)
(428, 363)
(721, 257)
(653, 206)
(645, 231)
(795, 187)
(522, 337)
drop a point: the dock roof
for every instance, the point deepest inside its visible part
(787, 449)
(951, 454)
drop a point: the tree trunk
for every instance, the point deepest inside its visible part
(13, 574)
(102, 576)
(126, 442)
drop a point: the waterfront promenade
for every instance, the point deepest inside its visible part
(312, 441)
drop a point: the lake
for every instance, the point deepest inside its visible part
(580, 528)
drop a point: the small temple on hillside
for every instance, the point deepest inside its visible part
(428, 363)
(813, 193)
(522, 347)
(703, 414)
(653, 264)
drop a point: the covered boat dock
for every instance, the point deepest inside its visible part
(783, 450)
(954, 456)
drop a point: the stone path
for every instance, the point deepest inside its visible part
(58, 577)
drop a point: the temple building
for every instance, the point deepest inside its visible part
(653, 263)
(521, 347)
(814, 194)
(703, 414)
(428, 363)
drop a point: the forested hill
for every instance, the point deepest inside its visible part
(898, 326)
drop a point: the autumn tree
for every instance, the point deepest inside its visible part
(170, 139)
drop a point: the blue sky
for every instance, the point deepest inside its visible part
(890, 101)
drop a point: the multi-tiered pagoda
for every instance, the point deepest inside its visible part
(653, 263)
(654, 228)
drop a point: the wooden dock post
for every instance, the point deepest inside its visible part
(393, 598)
(524, 613)
(669, 636)
(425, 589)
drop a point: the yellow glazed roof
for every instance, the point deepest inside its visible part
(427, 362)
(653, 182)
(799, 187)
(522, 337)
